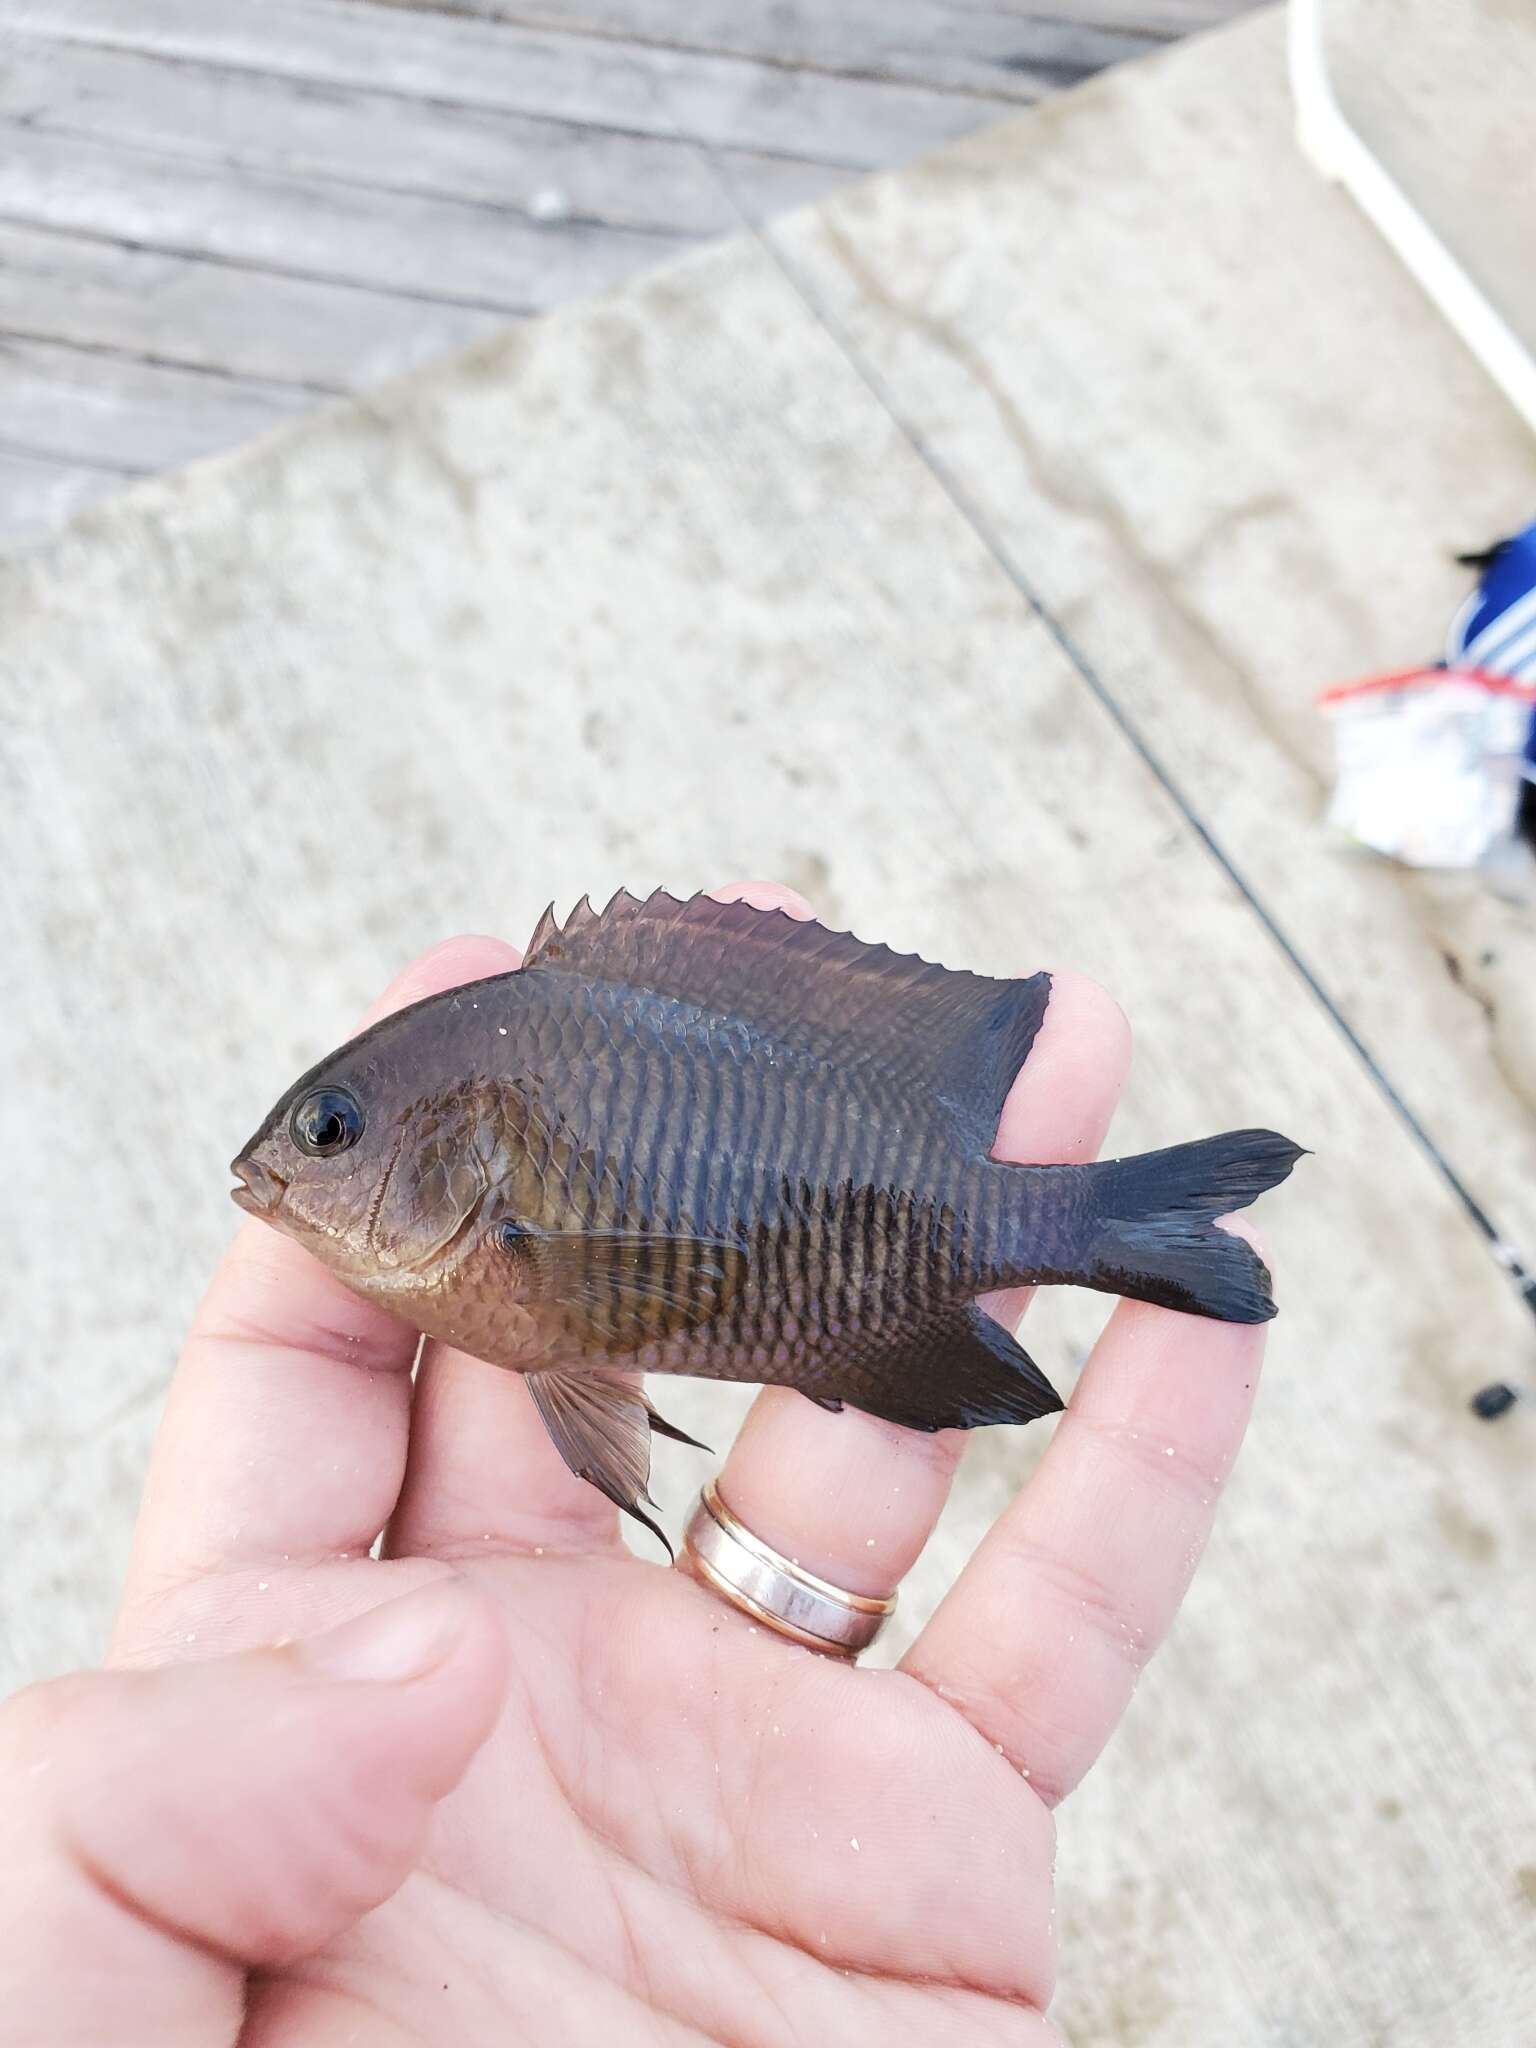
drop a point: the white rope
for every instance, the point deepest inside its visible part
(1338, 152)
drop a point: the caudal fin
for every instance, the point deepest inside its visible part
(1151, 1233)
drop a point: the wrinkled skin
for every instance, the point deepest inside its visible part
(671, 1827)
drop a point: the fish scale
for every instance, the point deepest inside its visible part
(755, 1132)
(699, 1138)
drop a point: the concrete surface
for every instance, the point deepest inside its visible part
(1443, 96)
(663, 588)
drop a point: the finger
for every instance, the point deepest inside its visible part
(482, 1474)
(285, 1431)
(854, 1499)
(1041, 1639)
(169, 1830)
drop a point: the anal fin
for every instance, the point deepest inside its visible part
(962, 1371)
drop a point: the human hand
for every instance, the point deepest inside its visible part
(509, 1783)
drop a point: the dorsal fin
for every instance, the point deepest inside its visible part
(547, 928)
(960, 1037)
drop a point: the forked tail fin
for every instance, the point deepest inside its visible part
(1150, 1232)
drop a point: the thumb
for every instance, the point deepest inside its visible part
(166, 1830)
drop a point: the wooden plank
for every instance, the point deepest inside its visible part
(724, 101)
(484, 256)
(384, 142)
(935, 44)
(80, 406)
(1166, 18)
(1233, 451)
(203, 314)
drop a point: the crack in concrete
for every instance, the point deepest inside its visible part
(1077, 495)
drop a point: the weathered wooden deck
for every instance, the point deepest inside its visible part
(967, 550)
(214, 217)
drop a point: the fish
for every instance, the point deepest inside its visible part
(703, 1138)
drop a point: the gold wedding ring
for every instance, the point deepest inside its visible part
(774, 1590)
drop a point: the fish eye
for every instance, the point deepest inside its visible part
(325, 1122)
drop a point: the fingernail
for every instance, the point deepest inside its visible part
(399, 1640)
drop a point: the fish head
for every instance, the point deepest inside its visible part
(381, 1158)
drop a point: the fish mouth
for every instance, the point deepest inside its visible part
(261, 1189)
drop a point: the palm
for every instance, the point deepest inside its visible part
(681, 1830)
(682, 1827)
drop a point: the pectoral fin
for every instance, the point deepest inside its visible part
(626, 1288)
(602, 1429)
